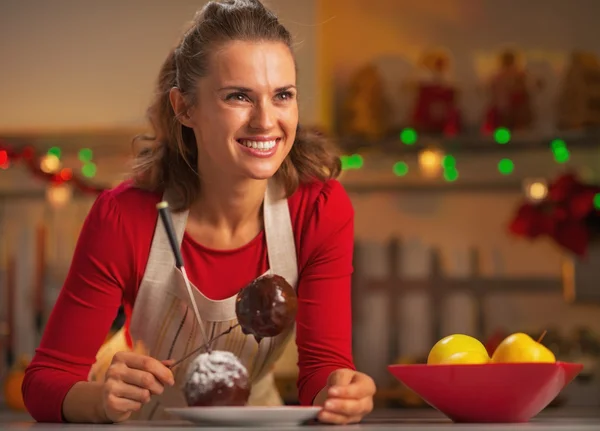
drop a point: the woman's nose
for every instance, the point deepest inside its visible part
(263, 117)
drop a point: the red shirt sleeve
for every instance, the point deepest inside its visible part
(101, 267)
(324, 320)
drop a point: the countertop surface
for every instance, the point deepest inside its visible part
(427, 419)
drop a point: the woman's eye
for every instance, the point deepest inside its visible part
(285, 95)
(238, 97)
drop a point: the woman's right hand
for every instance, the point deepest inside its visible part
(130, 381)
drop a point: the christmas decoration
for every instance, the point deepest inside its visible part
(569, 214)
(45, 167)
(366, 111)
(579, 98)
(436, 109)
(509, 96)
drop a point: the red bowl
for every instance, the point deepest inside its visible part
(504, 392)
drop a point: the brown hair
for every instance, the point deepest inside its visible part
(170, 162)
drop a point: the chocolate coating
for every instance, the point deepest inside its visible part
(266, 307)
(216, 378)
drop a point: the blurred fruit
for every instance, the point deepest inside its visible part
(520, 347)
(458, 349)
(12, 386)
(405, 396)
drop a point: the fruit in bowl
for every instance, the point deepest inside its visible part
(521, 347)
(458, 349)
(520, 379)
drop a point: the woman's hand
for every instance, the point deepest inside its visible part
(347, 398)
(130, 381)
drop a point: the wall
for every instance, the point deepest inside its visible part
(91, 65)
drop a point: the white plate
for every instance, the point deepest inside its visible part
(246, 416)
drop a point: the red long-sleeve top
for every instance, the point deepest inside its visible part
(110, 260)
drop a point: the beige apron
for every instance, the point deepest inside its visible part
(164, 321)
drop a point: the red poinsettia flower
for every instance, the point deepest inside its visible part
(564, 215)
(531, 221)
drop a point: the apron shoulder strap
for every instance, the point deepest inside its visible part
(280, 234)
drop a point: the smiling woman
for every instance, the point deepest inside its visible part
(239, 65)
(252, 193)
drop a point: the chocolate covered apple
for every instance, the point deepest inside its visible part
(216, 378)
(266, 307)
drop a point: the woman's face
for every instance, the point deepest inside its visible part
(246, 113)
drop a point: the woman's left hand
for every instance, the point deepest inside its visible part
(347, 398)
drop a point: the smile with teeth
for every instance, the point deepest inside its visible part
(258, 145)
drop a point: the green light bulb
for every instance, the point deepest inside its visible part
(400, 169)
(408, 136)
(506, 166)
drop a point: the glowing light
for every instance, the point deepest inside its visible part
(535, 190)
(450, 174)
(506, 166)
(400, 169)
(50, 164)
(561, 155)
(448, 161)
(54, 151)
(502, 135)
(66, 174)
(430, 162)
(597, 201)
(58, 195)
(355, 161)
(85, 155)
(89, 170)
(408, 136)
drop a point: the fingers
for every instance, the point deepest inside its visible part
(143, 380)
(130, 392)
(349, 407)
(360, 386)
(146, 363)
(340, 411)
(118, 408)
(343, 407)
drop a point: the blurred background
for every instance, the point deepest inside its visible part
(470, 133)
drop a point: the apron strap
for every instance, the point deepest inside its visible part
(280, 234)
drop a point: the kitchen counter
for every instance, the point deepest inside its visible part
(423, 419)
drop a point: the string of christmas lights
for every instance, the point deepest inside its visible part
(47, 167)
(432, 159)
